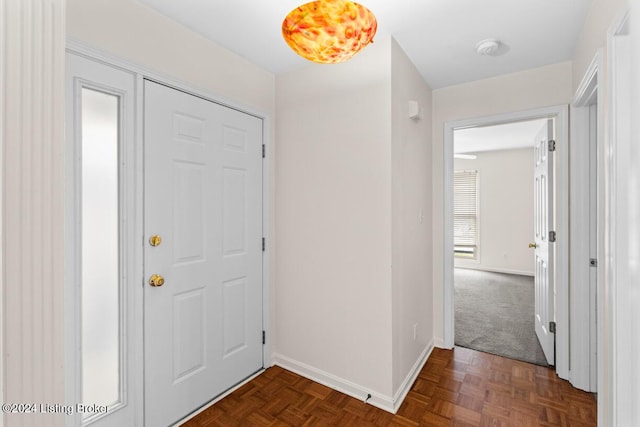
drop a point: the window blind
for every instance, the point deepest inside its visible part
(465, 208)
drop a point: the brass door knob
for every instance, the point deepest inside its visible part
(155, 240)
(156, 280)
(533, 245)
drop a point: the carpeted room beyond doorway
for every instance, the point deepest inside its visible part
(494, 313)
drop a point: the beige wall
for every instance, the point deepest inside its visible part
(32, 210)
(411, 216)
(536, 88)
(333, 204)
(505, 181)
(354, 177)
(141, 35)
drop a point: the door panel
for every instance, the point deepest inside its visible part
(543, 207)
(203, 196)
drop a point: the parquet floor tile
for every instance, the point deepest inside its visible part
(459, 388)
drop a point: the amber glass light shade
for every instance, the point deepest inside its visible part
(329, 31)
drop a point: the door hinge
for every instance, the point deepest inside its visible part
(552, 236)
(552, 327)
(264, 337)
(264, 244)
(552, 145)
(264, 151)
(593, 262)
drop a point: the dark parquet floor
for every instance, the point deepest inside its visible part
(459, 387)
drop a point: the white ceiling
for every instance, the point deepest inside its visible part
(497, 137)
(438, 35)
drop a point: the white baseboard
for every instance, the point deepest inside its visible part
(439, 342)
(402, 392)
(332, 381)
(498, 270)
(386, 403)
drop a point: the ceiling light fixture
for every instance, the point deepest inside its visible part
(329, 31)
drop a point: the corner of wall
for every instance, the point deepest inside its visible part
(410, 217)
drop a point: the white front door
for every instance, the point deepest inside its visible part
(203, 199)
(543, 220)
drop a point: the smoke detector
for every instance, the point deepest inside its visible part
(488, 47)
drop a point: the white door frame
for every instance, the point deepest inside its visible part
(561, 114)
(142, 73)
(586, 153)
(617, 345)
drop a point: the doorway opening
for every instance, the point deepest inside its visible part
(560, 216)
(493, 228)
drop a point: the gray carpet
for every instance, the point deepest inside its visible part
(494, 314)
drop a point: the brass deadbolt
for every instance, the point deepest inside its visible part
(155, 240)
(156, 280)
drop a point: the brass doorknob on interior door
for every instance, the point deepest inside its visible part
(155, 240)
(533, 245)
(156, 280)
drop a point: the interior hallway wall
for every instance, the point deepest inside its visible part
(32, 35)
(333, 260)
(354, 184)
(505, 192)
(411, 166)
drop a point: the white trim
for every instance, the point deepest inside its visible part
(588, 88)
(615, 382)
(583, 299)
(3, 321)
(561, 114)
(497, 270)
(137, 269)
(411, 377)
(85, 50)
(269, 346)
(386, 403)
(342, 385)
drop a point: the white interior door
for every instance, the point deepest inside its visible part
(203, 198)
(543, 220)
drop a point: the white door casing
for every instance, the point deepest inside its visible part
(560, 114)
(203, 197)
(544, 250)
(587, 225)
